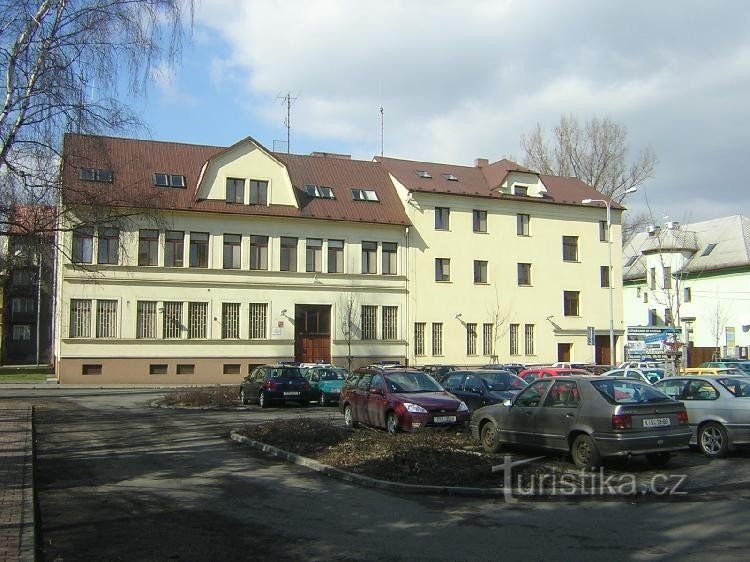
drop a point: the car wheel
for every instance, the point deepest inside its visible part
(243, 398)
(304, 403)
(391, 423)
(262, 400)
(585, 453)
(489, 438)
(658, 459)
(349, 417)
(713, 440)
(322, 400)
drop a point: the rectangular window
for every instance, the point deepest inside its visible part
(109, 245)
(442, 218)
(419, 328)
(145, 327)
(80, 318)
(258, 315)
(91, 369)
(21, 332)
(653, 318)
(571, 304)
(668, 316)
(513, 330)
(235, 190)
(23, 277)
(22, 306)
(231, 369)
(174, 248)
(288, 257)
(199, 249)
(230, 321)
(232, 251)
(645, 296)
(314, 255)
(172, 320)
(369, 322)
(479, 220)
(524, 274)
(148, 247)
(390, 323)
(390, 251)
(603, 231)
(369, 257)
(687, 295)
(158, 369)
(106, 319)
(437, 339)
(259, 252)
(480, 271)
(258, 192)
(522, 224)
(471, 339)
(197, 320)
(529, 339)
(488, 340)
(667, 277)
(604, 275)
(185, 369)
(570, 248)
(335, 256)
(169, 180)
(442, 269)
(652, 278)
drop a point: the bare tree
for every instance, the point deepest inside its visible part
(499, 314)
(595, 153)
(350, 323)
(717, 318)
(63, 64)
(634, 223)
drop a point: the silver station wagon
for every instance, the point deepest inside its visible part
(591, 417)
(718, 410)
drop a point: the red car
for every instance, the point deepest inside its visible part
(399, 399)
(532, 373)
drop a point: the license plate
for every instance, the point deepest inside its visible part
(444, 419)
(656, 422)
(291, 394)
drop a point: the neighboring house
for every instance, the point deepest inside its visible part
(224, 258)
(695, 277)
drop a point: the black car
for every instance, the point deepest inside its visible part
(483, 387)
(514, 368)
(276, 383)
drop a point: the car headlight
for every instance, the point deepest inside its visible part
(462, 407)
(414, 408)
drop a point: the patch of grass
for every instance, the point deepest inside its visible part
(11, 378)
(203, 396)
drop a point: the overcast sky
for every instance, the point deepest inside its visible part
(459, 80)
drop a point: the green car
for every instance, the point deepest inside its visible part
(743, 366)
(326, 382)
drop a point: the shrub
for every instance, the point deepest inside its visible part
(203, 396)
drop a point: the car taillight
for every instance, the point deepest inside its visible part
(682, 417)
(269, 385)
(622, 421)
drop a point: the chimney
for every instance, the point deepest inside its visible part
(481, 162)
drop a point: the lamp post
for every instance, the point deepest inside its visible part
(608, 204)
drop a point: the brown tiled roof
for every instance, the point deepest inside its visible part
(133, 163)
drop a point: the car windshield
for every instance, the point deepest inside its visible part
(287, 372)
(739, 386)
(411, 382)
(332, 375)
(503, 381)
(629, 392)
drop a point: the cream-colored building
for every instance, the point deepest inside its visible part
(219, 259)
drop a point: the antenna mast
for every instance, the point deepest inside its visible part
(382, 130)
(288, 99)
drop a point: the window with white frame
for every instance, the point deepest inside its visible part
(522, 224)
(288, 257)
(437, 339)
(369, 322)
(148, 247)
(80, 318)
(488, 339)
(513, 332)
(570, 248)
(335, 256)
(230, 321)
(199, 249)
(232, 251)
(109, 245)
(259, 252)
(471, 339)
(172, 328)
(197, 320)
(390, 250)
(258, 316)
(174, 248)
(390, 323)
(419, 329)
(106, 318)
(314, 255)
(369, 257)
(145, 327)
(529, 339)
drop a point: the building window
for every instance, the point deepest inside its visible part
(667, 277)
(390, 251)
(369, 257)
(21, 332)
(442, 269)
(524, 274)
(258, 192)
(106, 319)
(231, 369)
(488, 340)
(442, 218)
(197, 320)
(169, 180)
(22, 306)
(687, 295)
(172, 320)
(603, 231)
(604, 275)
(288, 256)
(314, 255)
(335, 256)
(479, 220)
(91, 369)
(145, 325)
(174, 248)
(668, 316)
(148, 247)
(230, 321)
(437, 339)
(390, 323)
(258, 314)
(259, 252)
(364, 195)
(522, 224)
(480, 271)
(158, 369)
(109, 245)
(185, 368)
(235, 190)
(570, 248)
(529, 339)
(419, 328)
(198, 249)
(645, 296)
(80, 318)
(471, 339)
(369, 322)
(23, 277)
(571, 303)
(514, 339)
(232, 251)
(94, 174)
(83, 244)
(321, 191)
(652, 278)
(708, 249)
(653, 318)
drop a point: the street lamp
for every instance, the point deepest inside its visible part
(608, 204)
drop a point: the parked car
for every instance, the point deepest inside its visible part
(568, 365)
(731, 364)
(482, 387)
(641, 365)
(276, 383)
(742, 364)
(646, 375)
(437, 371)
(399, 399)
(716, 371)
(514, 368)
(326, 382)
(590, 417)
(532, 373)
(718, 410)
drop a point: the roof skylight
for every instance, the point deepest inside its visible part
(169, 180)
(449, 176)
(364, 195)
(423, 174)
(708, 249)
(320, 191)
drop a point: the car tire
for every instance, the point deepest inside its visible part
(713, 440)
(322, 400)
(304, 403)
(262, 400)
(658, 459)
(349, 417)
(391, 423)
(585, 453)
(489, 438)
(243, 398)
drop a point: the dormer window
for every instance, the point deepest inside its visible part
(450, 177)
(521, 190)
(96, 174)
(169, 180)
(708, 249)
(423, 174)
(320, 191)
(364, 195)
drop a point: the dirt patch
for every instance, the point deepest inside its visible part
(218, 396)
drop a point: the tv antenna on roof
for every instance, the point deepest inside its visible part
(288, 99)
(382, 130)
